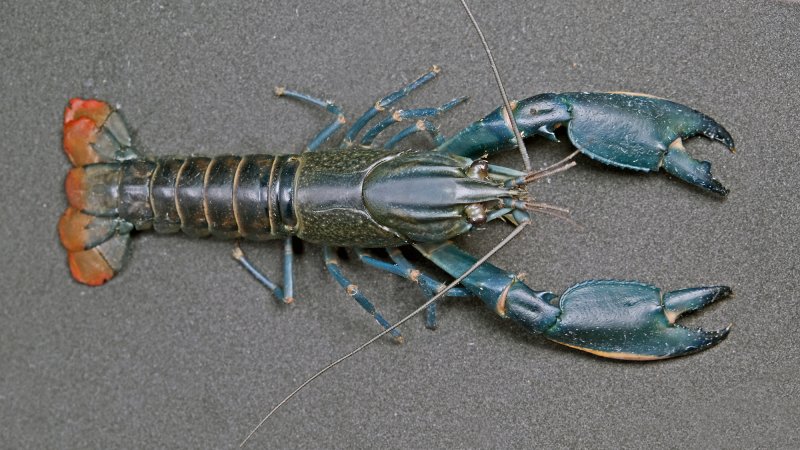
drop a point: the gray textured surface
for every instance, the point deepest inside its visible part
(183, 350)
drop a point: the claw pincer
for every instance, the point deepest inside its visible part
(625, 130)
(609, 318)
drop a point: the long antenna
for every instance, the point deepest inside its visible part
(509, 110)
(405, 319)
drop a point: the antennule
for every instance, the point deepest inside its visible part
(544, 173)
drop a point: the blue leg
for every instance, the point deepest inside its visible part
(332, 263)
(331, 107)
(407, 114)
(288, 276)
(403, 268)
(383, 103)
(276, 290)
(429, 285)
(421, 125)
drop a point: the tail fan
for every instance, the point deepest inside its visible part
(96, 140)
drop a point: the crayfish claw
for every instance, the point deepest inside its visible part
(548, 132)
(610, 318)
(708, 127)
(645, 133)
(677, 303)
(677, 162)
(620, 129)
(632, 321)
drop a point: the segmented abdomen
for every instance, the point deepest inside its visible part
(225, 196)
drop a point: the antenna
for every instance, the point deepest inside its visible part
(509, 110)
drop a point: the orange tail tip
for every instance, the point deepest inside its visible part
(94, 132)
(79, 231)
(95, 110)
(89, 267)
(82, 122)
(79, 135)
(93, 189)
(75, 188)
(99, 264)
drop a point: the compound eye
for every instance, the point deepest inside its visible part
(479, 169)
(476, 214)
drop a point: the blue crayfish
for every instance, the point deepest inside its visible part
(363, 196)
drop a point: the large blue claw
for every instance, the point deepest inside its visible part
(630, 320)
(640, 132)
(610, 318)
(626, 130)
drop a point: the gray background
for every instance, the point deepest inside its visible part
(184, 349)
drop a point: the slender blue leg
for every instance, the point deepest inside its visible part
(408, 114)
(421, 125)
(429, 285)
(288, 276)
(262, 278)
(383, 103)
(403, 268)
(331, 107)
(332, 263)
(380, 264)
(430, 315)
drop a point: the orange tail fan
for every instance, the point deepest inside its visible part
(96, 239)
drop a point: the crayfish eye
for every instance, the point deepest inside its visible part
(476, 214)
(479, 169)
